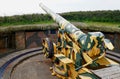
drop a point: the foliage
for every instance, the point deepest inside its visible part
(90, 16)
(24, 19)
(95, 16)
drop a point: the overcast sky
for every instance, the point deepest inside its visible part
(18, 7)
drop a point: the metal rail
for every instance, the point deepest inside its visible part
(5, 65)
(113, 55)
(21, 61)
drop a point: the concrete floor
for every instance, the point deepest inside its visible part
(33, 68)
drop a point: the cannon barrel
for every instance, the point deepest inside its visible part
(89, 48)
(77, 34)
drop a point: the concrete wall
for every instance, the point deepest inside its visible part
(30, 39)
(34, 39)
(20, 40)
(115, 39)
(7, 42)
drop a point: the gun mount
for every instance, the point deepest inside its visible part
(76, 52)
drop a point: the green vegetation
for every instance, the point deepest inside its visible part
(94, 16)
(25, 19)
(102, 24)
(100, 18)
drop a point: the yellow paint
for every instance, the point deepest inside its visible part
(103, 61)
(83, 41)
(86, 70)
(66, 60)
(109, 45)
(88, 45)
(67, 38)
(58, 55)
(55, 50)
(112, 62)
(87, 58)
(94, 51)
(84, 77)
(76, 47)
(68, 51)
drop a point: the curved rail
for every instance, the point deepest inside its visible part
(5, 65)
(113, 55)
(21, 61)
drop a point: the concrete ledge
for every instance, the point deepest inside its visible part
(10, 68)
(55, 26)
(20, 54)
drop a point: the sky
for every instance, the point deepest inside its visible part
(19, 7)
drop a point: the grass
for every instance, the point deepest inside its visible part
(97, 26)
(23, 23)
(102, 24)
(89, 23)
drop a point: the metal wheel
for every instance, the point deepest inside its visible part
(48, 48)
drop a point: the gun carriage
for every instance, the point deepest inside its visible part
(76, 55)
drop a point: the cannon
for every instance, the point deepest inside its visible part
(76, 55)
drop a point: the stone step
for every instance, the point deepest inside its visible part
(8, 62)
(8, 57)
(112, 72)
(11, 67)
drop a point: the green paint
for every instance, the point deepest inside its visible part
(61, 57)
(78, 61)
(65, 43)
(94, 64)
(60, 41)
(82, 37)
(70, 43)
(88, 40)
